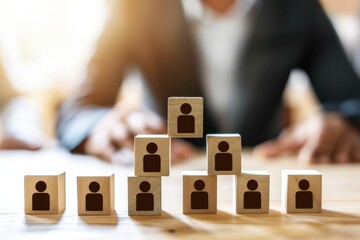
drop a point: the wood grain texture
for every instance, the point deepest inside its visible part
(291, 183)
(106, 191)
(339, 219)
(161, 154)
(220, 148)
(262, 179)
(174, 112)
(54, 188)
(134, 195)
(210, 188)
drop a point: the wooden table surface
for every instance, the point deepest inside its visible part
(340, 217)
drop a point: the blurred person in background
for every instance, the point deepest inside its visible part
(238, 55)
(20, 120)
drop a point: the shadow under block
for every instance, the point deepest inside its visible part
(301, 191)
(44, 194)
(252, 192)
(185, 117)
(199, 192)
(95, 195)
(144, 196)
(223, 153)
(152, 155)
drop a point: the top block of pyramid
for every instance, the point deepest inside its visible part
(185, 117)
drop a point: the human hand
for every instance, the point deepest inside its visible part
(10, 143)
(323, 138)
(113, 137)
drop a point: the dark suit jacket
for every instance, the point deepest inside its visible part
(154, 36)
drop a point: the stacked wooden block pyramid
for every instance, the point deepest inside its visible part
(223, 153)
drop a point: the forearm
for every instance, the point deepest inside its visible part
(80, 114)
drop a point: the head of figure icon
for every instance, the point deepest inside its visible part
(304, 184)
(185, 108)
(94, 187)
(151, 148)
(145, 186)
(223, 146)
(199, 185)
(252, 185)
(40, 186)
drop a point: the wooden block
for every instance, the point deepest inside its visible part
(252, 192)
(144, 196)
(44, 194)
(301, 191)
(185, 117)
(223, 154)
(152, 155)
(95, 195)
(199, 192)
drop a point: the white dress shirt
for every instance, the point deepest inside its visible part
(219, 40)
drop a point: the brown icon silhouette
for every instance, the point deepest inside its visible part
(94, 200)
(304, 198)
(40, 200)
(223, 159)
(252, 198)
(199, 198)
(144, 200)
(152, 161)
(186, 122)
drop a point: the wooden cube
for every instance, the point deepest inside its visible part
(199, 192)
(185, 117)
(301, 191)
(44, 194)
(252, 192)
(152, 155)
(223, 153)
(95, 195)
(144, 196)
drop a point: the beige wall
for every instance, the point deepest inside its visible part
(348, 7)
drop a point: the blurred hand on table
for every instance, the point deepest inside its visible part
(116, 131)
(323, 138)
(10, 143)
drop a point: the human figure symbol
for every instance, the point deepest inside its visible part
(199, 198)
(152, 161)
(186, 122)
(94, 200)
(223, 159)
(144, 200)
(252, 198)
(304, 198)
(40, 200)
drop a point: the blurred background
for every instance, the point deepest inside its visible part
(45, 46)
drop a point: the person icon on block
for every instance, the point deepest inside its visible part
(152, 161)
(199, 198)
(186, 122)
(223, 159)
(144, 200)
(304, 198)
(252, 198)
(94, 200)
(40, 200)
